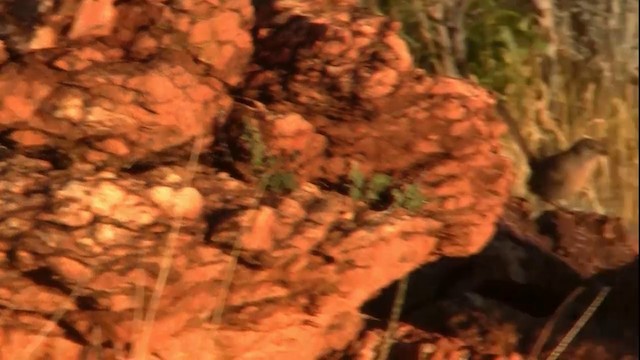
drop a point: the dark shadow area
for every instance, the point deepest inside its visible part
(45, 277)
(449, 279)
(56, 157)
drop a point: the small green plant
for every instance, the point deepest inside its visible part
(410, 198)
(356, 188)
(279, 182)
(265, 167)
(257, 150)
(503, 44)
(369, 191)
(275, 180)
(378, 184)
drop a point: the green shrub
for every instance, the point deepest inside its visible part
(410, 198)
(372, 191)
(267, 168)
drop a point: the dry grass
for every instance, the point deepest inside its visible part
(579, 324)
(396, 311)
(585, 87)
(141, 347)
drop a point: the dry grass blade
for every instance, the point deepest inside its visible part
(393, 321)
(579, 324)
(166, 262)
(216, 316)
(45, 331)
(548, 327)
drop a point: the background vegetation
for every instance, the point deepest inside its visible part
(567, 68)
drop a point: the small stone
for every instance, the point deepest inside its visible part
(70, 269)
(93, 18)
(260, 235)
(106, 199)
(188, 203)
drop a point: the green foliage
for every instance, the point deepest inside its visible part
(503, 45)
(267, 168)
(500, 42)
(410, 198)
(378, 184)
(279, 182)
(257, 150)
(356, 188)
(369, 191)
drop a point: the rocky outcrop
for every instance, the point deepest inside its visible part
(132, 218)
(506, 301)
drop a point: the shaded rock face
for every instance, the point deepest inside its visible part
(498, 302)
(132, 221)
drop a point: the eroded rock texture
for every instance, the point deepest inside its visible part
(500, 302)
(131, 220)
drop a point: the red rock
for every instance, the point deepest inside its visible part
(380, 83)
(44, 38)
(70, 269)
(19, 106)
(29, 138)
(93, 18)
(309, 260)
(260, 224)
(114, 146)
(401, 51)
(4, 56)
